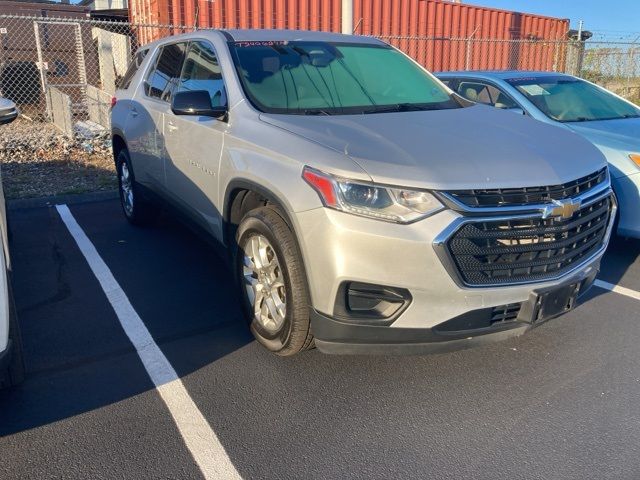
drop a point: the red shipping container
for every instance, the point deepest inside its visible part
(441, 35)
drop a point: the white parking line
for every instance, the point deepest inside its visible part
(198, 435)
(618, 289)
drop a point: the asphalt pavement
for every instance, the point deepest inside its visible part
(562, 401)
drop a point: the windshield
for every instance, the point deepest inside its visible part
(571, 100)
(321, 78)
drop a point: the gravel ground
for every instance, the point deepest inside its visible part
(37, 160)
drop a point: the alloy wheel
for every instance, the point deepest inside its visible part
(264, 283)
(126, 189)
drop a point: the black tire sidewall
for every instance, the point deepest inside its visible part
(273, 341)
(123, 157)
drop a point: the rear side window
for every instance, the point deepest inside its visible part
(476, 92)
(165, 74)
(484, 93)
(125, 81)
(202, 71)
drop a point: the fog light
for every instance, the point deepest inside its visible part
(368, 303)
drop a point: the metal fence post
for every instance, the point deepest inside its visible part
(43, 74)
(469, 46)
(347, 17)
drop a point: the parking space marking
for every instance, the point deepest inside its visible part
(199, 437)
(617, 289)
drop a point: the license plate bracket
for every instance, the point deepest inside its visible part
(548, 304)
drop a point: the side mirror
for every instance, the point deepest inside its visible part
(196, 102)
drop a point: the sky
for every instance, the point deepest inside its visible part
(613, 18)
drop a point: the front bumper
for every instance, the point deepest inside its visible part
(336, 337)
(339, 247)
(332, 336)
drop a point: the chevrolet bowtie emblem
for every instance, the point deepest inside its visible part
(561, 209)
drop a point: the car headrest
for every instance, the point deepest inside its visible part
(471, 93)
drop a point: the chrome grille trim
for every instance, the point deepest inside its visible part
(452, 202)
(440, 243)
(525, 197)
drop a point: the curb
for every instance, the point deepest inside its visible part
(71, 199)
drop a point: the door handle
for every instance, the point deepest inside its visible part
(171, 127)
(134, 112)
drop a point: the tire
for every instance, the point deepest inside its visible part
(137, 209)
(264, 234)
(14, 373)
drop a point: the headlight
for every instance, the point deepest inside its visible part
(390, 204)
(635, 158)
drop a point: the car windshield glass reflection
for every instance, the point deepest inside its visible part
(322, 78)
(568, 99)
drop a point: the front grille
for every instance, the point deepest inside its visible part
(493, 252)
(500, 197)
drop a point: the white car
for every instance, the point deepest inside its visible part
(11, 365)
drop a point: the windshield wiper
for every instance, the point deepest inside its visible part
(315, 111)
(587, 119)
(401, 107)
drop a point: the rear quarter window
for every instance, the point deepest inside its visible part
(125, 81)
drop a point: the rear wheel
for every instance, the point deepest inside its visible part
(137, 209)
(272, 283)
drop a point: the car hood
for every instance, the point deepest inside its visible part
(624, 132)
(474, 147)
(615, 138)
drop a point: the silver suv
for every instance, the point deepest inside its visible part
(367, 207)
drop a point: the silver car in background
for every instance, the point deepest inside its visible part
(608, 121)
(8, 111)
(364, 212)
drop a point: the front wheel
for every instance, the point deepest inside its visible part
(273, 283)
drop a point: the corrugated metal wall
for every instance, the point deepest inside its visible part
(435, 32)
(447, 26)
(289, 14)
(429, 18)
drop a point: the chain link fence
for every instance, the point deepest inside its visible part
(56, 68)
(614, 65)
(65, 70)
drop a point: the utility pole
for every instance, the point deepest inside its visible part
(575, 55)
(347, 17)
(580, 25)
